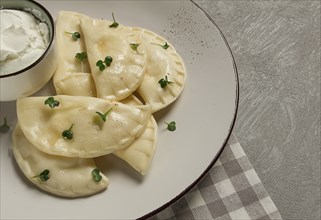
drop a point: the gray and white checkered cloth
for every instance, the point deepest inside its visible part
(231, 190)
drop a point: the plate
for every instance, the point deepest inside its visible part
(204, 114)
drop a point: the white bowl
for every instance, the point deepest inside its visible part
(32, 78)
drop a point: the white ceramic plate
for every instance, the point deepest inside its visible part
(204, 115)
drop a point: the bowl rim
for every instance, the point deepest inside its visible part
(44, 54)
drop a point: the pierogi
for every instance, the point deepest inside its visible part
(43, 126)
(163, 63)
(140, 154)
(69, 177)
(72, 76)
(125, 71)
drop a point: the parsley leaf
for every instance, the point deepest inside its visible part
(81, 56)
(104, 116)
(171, 126)
(68, 134)
(165, 46)
(114, 24)
(164, 82)
(43, 176)
(96, 175)
(52, 102)
(75, 35)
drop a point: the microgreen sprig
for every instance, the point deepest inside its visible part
(164, 82)
(165, 46)
(100, 64)
(134, 46)
(51, 102)
(4, 127)
(43, 176)
(114, 24)
(171, 126)
(81, 56)
(108, 60)
(103, 64)
(96, 175)
(75, 35)
(68, 134)
(104, 116)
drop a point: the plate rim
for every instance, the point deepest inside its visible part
(204, 173)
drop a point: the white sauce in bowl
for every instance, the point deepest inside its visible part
(23, 40)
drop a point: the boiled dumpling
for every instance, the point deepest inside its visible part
(70, 177)
(162, 64)
(124, 70)
(44, 126)
(140, 154)
(73, 76)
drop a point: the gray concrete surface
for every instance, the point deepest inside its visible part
(276, 46)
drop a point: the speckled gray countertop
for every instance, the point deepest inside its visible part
(276, 46)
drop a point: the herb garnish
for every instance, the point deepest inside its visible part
(115, 24)
(68, 134)
(102, 64)
(164, 82)
(171, 126)
(81, 56)
(104, 116)
(43, 176)
(52, 102)
(134, 46)
(165, 46)
(96, 175)
(75, 36)
(108, 60)
(4, 127)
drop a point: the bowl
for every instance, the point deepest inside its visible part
(35, 75)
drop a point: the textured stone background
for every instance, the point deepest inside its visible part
(276, 46)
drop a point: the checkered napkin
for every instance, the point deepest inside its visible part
(231, 190)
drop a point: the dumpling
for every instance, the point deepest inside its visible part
(49, 128)
(162, 64)
(69, 177)
(73, 76)
(140, 154)
(124, 69)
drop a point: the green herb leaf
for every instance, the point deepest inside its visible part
(171, 126)
(164, 82)
(99, 63)
(4, 127)
(75, 35)
(96, 175)
(52, 102)
(134, 46)
(165, 46)
(108, 60)
(43, 176)
(115, 24)
(104, 116)
(102, 64)
(102, 67)
(81, 56)
(68, 134)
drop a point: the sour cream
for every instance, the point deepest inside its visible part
(23, 40)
